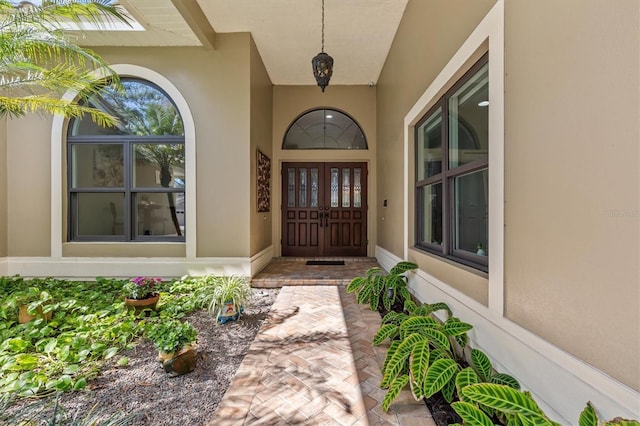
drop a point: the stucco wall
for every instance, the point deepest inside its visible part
(215, 84)
(29, 191)
(430, 32)
(291, 101)
(261, 130)
(3, 187)
(572, 178)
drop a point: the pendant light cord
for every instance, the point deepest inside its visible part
(322, 50)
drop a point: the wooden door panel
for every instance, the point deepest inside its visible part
(324, 208)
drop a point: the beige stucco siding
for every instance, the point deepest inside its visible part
(572, 178)
(261, 130)
(29, 194)
(430, 32)
(215, 84)
(3, 187)
(357, 101)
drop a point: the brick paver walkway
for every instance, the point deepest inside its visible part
(312, 363)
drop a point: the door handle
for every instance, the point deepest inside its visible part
(326, 219)
(321, 216)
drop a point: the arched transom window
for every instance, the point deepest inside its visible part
(127, 183)
(324, 129)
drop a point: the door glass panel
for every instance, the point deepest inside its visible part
(314, 187)
(302, 202)
(357, 187)
(100, 214)
(432, 214)
(334, 187)
(95, 165)
(471, 211)
(469, 121)
(291, 188)
(429, 146)
(346, 187)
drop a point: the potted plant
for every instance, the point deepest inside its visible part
(175, 342)
(32, 303)
(228, 297)
(139, 293)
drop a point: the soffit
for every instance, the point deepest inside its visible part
(287, 33)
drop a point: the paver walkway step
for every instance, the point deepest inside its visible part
(312, 363)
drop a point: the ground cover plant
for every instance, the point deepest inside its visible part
(131, 387)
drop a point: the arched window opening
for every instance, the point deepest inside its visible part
(127, 183)
(324, 129)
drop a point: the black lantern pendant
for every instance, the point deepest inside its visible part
(322, 63)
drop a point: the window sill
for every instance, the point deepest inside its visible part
(454, 261)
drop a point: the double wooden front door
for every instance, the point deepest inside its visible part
(324, 209)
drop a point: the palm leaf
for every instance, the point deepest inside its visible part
(471, 415)
(481, 363)
(394, 390)
(440, 372)
(387, 331)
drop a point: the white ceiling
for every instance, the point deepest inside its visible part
(358, 33)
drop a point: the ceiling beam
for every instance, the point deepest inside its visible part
(197, 21)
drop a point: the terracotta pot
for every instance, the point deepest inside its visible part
(24, 316)
(140, 305)
(181, 363)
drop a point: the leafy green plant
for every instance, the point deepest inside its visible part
(228, 289)
(429, 355)
(91, 326)
(171, 335)
(140, 287)
(380, 289)
(41, 412)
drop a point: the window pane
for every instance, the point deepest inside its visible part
(431, 214)
(100, 214)
(346, 187)
(334, 187)
(302, 202)
(158, 165)
(471, 211)
(291, 187)
(357, 187)
(142, 109)
(159, 213)
(324, 129)
(469, 120)
(429, 146)
(314, 187)
(97, 165)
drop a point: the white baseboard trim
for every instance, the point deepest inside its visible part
(91, 267)
(561, 383)
(260, 260)
(4, 266)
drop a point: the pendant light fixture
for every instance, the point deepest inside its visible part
(322, 63)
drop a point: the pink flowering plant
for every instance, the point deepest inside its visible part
(141, 287)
